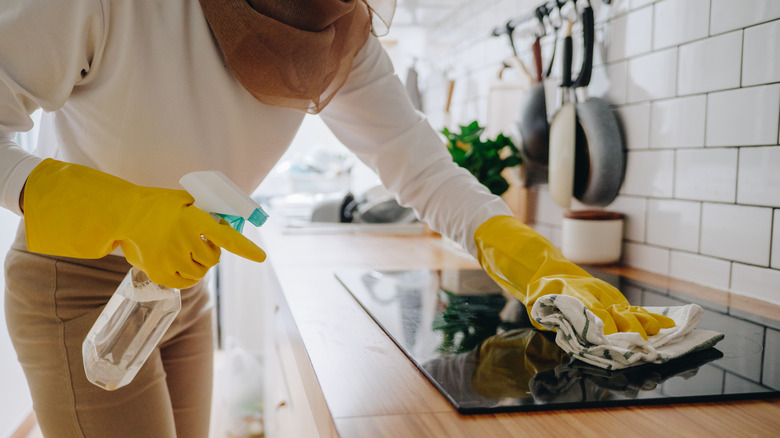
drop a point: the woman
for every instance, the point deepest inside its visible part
(138, 93)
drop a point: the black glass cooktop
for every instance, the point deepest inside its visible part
(480, 350)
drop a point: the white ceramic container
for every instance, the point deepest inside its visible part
(592, 236)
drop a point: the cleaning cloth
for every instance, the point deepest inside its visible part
(580, 333)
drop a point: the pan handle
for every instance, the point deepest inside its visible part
(567, 55)
(588, 37)
(537, 50)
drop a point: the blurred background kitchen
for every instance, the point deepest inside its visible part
(695, 86)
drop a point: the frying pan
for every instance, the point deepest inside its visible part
(600, 152)
(533, 125)
(563, 130)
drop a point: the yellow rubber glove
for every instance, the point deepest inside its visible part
(507, 362)
(528, 266)
(75, 211)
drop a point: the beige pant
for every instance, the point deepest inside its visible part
(52, 302)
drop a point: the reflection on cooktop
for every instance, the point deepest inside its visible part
(479, 349)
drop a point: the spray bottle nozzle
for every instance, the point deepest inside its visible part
(216, 194)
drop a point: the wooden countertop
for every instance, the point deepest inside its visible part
(362, 384)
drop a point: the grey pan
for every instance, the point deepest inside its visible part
(533, 124)
(600, 157)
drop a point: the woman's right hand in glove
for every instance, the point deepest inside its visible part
(528, 266)
(75, 211)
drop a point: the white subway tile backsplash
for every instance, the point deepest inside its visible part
(609, 82)
(634, 211)
(649, 173)
(673, 224)
(700, 269)
(548, 211)
(639, 26)
(706, 174)
(697, 142)
(496, 49)
(600, 50)
(776, 241)
(759, 176)
(678, 122)
(734, 14)
(756, 282)
(509, 8)
(615, 39)
(680, 21)
(635, 120)
(614, 9)
(635, 4)
(629, 34)
(761, 60)
(736, 232)
(652, 76)
(747, 116)
(648, 258)
(711, 64)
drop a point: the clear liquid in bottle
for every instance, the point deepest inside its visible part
(128, 329)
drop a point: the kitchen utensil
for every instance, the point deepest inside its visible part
(563, 133)
(600, 157)
(448, 103)
(533, 124)
(509, 86)
(545, 12)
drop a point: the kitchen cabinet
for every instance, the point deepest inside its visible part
(289, 408)
(333, 372)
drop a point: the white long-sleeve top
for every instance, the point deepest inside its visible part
(139, 89)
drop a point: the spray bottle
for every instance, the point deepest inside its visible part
(140, 311)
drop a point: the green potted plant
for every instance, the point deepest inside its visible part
(484, 158)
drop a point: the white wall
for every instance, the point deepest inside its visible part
(15, 402)
(696, 84)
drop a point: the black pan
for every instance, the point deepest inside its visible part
(600, 157)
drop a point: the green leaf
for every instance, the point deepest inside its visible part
(483, 159)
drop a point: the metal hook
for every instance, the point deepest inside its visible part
(561, 4)
(541, 12)
(558, 5)
(510, 29)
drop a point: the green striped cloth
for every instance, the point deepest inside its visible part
(579, 332)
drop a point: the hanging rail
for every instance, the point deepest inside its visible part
(539, 13)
